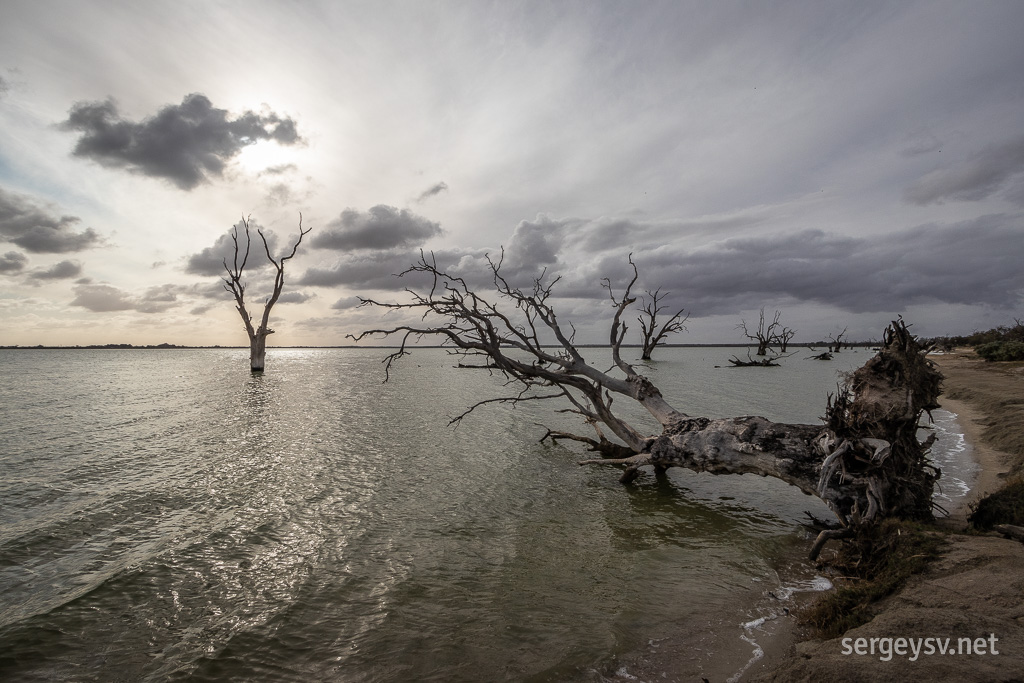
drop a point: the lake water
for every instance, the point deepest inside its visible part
(167, 515)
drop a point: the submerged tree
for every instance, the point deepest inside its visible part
(836, 341)
(651, 308)
(785, 337)
(865, 462)
(233, 283)
(765, 336)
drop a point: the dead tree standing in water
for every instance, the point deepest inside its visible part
(766, 337)
(648, 319)
(784, 338)
(836, 342)
(233, 283)
(865, 462)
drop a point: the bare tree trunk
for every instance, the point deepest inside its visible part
(257, 351)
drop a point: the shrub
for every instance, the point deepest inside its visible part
(1005, 506)
(1001, 351)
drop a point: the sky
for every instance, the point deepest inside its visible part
(842, 163)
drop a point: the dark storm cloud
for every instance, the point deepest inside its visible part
(973, 179)
(210, 261)
(972, 262)
(537, 243)
(64, 270)
(37, 230)
(382, 227)
(432, 191)
(12, 262)
(186, 144)
(102, 298)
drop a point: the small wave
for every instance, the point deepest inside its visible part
(752, 629)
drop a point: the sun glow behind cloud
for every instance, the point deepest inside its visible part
(266, 157)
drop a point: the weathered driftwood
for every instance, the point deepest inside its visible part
(865, 462)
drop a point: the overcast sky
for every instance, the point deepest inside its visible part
(841, 162)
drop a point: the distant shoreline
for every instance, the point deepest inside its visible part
(149, 347)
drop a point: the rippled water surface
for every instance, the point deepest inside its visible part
(166, 515)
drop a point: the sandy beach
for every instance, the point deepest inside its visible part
(975, 590)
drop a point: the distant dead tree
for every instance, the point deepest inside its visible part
(785, 336)
(836, 341)
(233, 283)
(765, 336)
(651, 308)
(865, 462)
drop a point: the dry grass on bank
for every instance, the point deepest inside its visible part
(873, 566)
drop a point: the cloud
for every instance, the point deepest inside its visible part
(4, 87)
(157, 299)
(187, 144)
(12, 262)
(432, 191)
(64, 270)
(294, 297)
(210, 261)
(103, 298)
(346, 303)
(382, 227)
(974, 179)
(971, 262)
(377, 270)
(37, 230)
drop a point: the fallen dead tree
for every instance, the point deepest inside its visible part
(865, 462)
(751, 363)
